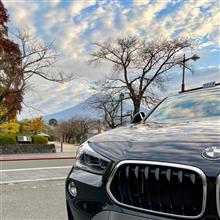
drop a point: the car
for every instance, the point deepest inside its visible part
(163, 166)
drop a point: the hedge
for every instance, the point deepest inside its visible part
(11, 139)
(37, 139)
(7, 139)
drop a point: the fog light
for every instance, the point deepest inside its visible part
(72, 189)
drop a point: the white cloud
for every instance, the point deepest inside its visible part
(76, 24)
(77, 6)
(140, 2)
(54, 3)
(55, 97)
(22, 13)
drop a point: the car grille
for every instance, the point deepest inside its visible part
(162, 188)
(218, 194)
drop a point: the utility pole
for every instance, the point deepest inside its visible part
(121, 98)
(194, 58)
(183, 79)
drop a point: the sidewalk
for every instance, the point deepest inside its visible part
(66, 147)
(69, 152)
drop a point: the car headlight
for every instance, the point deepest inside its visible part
(87, 159)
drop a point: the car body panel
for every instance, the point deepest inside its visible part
(176, 143)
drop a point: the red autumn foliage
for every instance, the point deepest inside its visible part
(3, 20)
(8, 103)
(11, 66)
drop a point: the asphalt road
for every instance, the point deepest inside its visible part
(33, 189)
(35, 163)
(35, 200)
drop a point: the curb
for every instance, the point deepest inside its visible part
(36, 158)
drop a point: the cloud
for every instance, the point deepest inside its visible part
(140, 3)
(54, 97)
(54, 3)
(74, 25)
(77, 6)
(22, 14)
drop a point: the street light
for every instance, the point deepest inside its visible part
(129, 113)
(194, 58)
(121, 98)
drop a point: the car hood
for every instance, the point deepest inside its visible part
(175, 143)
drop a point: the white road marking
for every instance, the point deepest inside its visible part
(35, 176)
(37, 168)
(32, 180)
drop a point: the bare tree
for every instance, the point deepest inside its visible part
(74, 130)
(38, 58)
(35, 59)
(139, 67)
(61, 131)
(109, 107)
(81, 129)
(22, 57)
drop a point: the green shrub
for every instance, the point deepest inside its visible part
(37, 139)
(7, 139)
(11, 139)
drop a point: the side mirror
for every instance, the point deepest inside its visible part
(138, 117)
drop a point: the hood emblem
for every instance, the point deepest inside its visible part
(211, 153)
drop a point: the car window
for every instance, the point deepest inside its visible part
(188, 106)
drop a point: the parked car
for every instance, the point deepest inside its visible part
(166, 166)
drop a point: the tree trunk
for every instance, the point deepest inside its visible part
(137, 105)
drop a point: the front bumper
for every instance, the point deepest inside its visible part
(93, 202)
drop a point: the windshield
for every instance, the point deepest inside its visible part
(187, 106)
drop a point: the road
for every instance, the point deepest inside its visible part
(34, 163)
(35, 200)
(33, 189)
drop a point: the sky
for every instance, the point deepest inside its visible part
(74, 25)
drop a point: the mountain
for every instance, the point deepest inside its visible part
(84, 110)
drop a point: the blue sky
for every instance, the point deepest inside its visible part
(74, 25)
